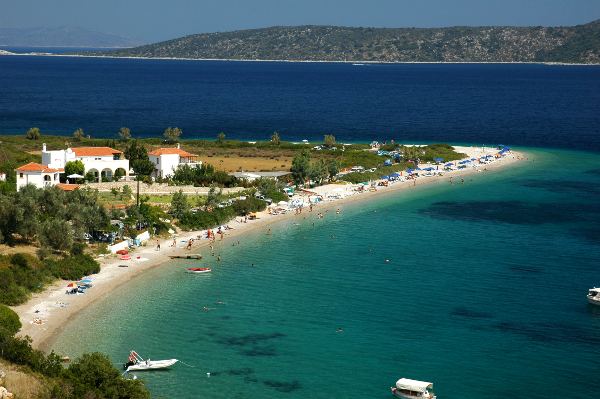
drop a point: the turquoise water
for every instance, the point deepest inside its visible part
(483, 294)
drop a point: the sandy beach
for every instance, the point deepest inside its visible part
(54, 308)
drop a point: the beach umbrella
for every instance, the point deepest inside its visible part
(72, 285)
(86, 280)
(438, 160)
(75, 176)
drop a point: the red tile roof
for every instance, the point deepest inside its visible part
(36, 167)
(171, 151)
(67, 187)
(95, 151)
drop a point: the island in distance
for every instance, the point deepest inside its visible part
(572, 44)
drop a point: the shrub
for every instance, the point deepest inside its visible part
(93, 376)
(73, 267)
(250, 204)
(9, 320)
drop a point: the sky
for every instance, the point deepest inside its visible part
(154, 20)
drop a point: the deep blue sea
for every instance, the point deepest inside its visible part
(484, 291)
(532, 105)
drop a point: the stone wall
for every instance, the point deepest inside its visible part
(157, 188)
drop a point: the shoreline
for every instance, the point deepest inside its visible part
(364, 62)
(57, 317)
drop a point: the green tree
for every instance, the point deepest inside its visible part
(124, 134)
(9, 320)
(33, 134)
(329, 140)
(172, 134)
(271, 188)
(138, 159)
(318, 171)
(56, 234)
(74, 168)
(214, 197)
(78, 134)
(301, 167)
(333, 168)
(275, 139)
(93, 376)
(126, 193)
(115, 192)
(179, 204)
(221, 138)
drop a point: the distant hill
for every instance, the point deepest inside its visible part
(64, 36)
(575, 44)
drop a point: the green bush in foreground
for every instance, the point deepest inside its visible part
(9, 320)
(91, 376)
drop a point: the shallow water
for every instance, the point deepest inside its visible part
(483, 294)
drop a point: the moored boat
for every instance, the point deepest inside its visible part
(410, 389)
(198, 269)
(192, 256)
(136, 363)
(593, 296)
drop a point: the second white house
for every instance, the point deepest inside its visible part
(166, 160)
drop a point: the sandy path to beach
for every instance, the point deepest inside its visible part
(55, 308)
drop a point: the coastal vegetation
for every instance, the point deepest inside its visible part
(569, 44)
(90, 376)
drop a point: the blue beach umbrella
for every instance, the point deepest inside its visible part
(438, 160)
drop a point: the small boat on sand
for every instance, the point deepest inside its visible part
(198, 270)
(197, 257)
(410, 389)
(136, 363)
(593, 296)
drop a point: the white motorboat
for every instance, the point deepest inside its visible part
(198, 270)
(410, 389)
(136, 363)
(593, 296)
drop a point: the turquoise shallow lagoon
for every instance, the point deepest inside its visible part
(483, 294)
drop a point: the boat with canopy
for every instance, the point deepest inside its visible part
(410, 389)
(136, 363)
(593, 296)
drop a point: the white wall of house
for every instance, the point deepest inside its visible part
(96, 164)
(38, 179)
(104, 164)
(164, 164)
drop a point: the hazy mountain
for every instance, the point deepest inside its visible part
(575, 44)
(64, 36)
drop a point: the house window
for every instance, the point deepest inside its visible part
(21, 175)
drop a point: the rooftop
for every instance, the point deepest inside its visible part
(171, 151)
(37, 167)
(95, 151)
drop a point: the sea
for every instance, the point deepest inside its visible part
(477, 287)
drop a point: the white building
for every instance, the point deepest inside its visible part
(103, 162)
(39, 175)
(166, 160)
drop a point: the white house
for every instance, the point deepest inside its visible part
(166, 160)
(103, 162)
(39, 175)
